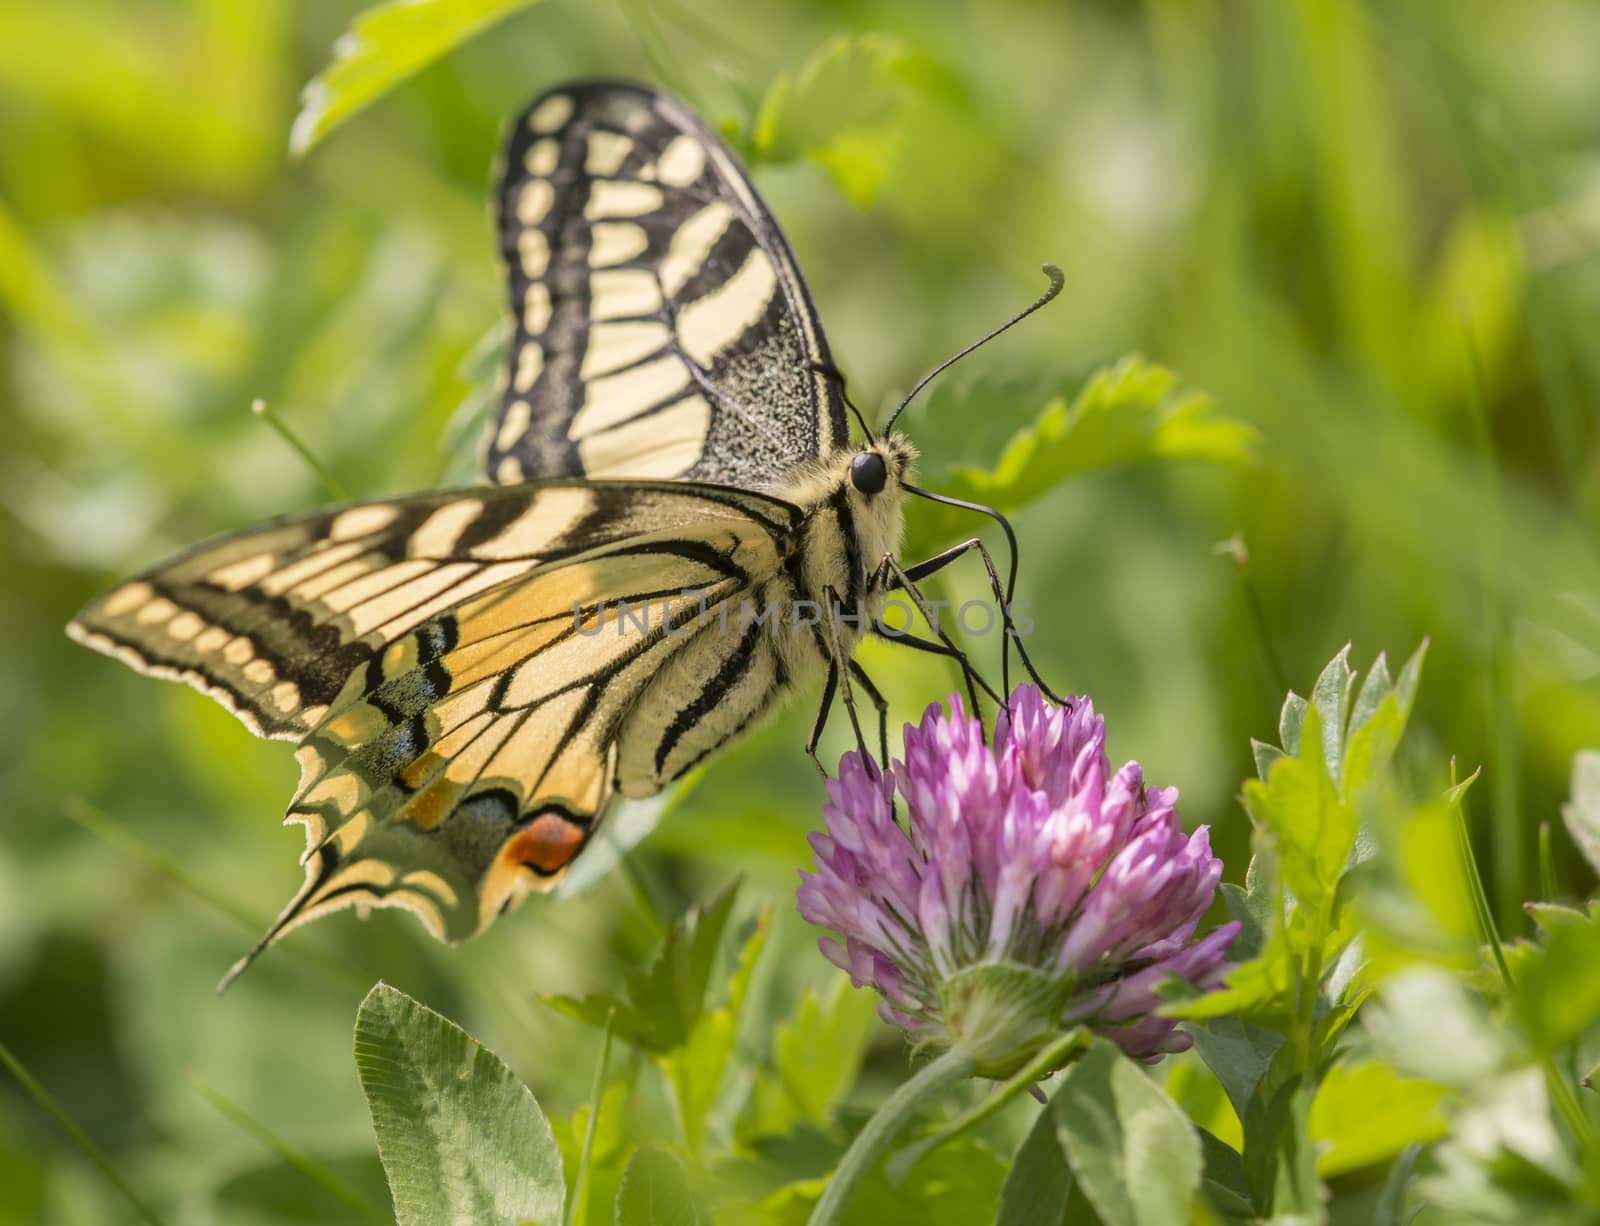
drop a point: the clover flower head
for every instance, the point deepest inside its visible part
(1031, 889)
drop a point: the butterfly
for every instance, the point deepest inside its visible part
(671, 435)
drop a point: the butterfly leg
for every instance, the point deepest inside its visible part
(938, 562)
(821, 722)
(879, 702)
(891, 576)
(973, 679)
(834, 603)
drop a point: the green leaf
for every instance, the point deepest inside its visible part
(655, 1192)
(1126, 413)
(1279, 1160)
(1296, 1194)
(1391, 1207)
(1358, 730)
(1560, 987)
(1331, 698)
(1582, 813)
(695, 1070)
(1290, 719)
(1223, 1181)
(1372, 744)
(1374, 689)
(1040, 1181)
(462, 1140)
(1252, 908)
(611, 1126)
(1239, 1053)
(1311, 827)
(1133, 1152)
(384, 45)
(846, 109)
(1409, 901)
(1260, 989)
(1265, 754)
(816, 1057)
(1366, 1113)
(665, 1000)
(957, 1186)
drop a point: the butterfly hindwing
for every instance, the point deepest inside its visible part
(467, 763)
(660, 325)
(476, 734)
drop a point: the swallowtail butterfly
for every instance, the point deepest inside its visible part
(671, 434)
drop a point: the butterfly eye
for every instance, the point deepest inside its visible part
(868, 473)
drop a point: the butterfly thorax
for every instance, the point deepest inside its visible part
(853, 519)
(771, 639)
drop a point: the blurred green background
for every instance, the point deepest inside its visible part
(1367, 229)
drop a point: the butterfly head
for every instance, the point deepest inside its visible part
(881, 465)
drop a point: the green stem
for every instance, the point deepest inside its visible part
(100, 823)
(643, 897)
(886, 1123)
(264, 411)
(1048, 1060)
(1547, 864)
(307, 1166)
(580, 1181)
(1311, 984)
(1480, 897)
(1559, 1089)
(42, 1096)
(1505, 780)
(1236, 549)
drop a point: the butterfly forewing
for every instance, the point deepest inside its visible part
(660, 326)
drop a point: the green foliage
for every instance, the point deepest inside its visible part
(1126, 413)
(461, 1138)
(1366, 1113)
(1306, 812)
(655, 1192)
(1132, 1151)
(816, 1057)
(384, 45)
(663, 1002)
(1129, 412)
(696, 1066)
(1040, 1181)
(1558, 982)
(958, 1185)
(1274, 1034)
(845, 109)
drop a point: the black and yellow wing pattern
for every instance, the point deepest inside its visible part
(661, 327)
(459, 734)
(667, 390)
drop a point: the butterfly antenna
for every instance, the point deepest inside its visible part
(830, 371)
(1057, 280)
